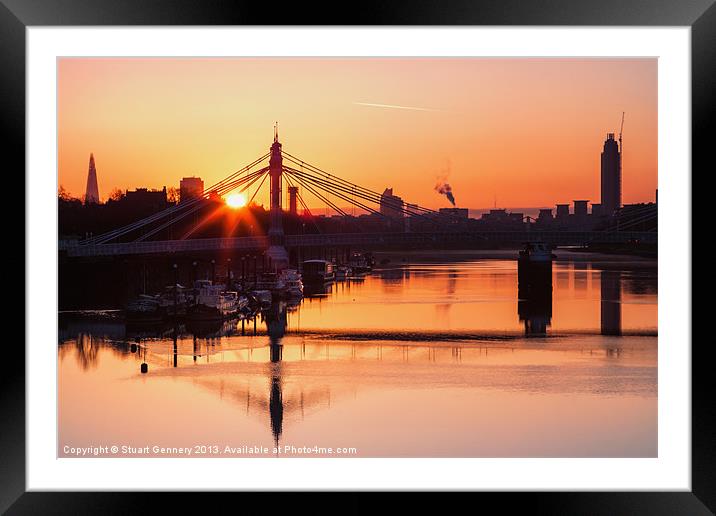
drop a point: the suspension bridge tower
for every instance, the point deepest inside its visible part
(277, 251)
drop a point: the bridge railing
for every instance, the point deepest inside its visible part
(169, 246)
(363, 239)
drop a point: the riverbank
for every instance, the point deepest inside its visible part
(571, 254)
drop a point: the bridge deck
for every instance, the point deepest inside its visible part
(363, 240)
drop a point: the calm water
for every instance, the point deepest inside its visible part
(433, 359)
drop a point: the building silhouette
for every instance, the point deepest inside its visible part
(611, 176)
(562, 211)
(459, 213)
(190, 188)
(292, 200)
(146, 200)
(92, 191)
(545, 215)
(391, 205)
(580, 209)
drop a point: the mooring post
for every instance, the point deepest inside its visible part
(176, 282)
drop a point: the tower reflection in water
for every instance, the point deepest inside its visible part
(276, 320)
(611, 302)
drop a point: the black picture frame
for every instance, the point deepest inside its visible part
(16, 15)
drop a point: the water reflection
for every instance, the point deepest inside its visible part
(281, 367)
(87, 348)
(276, 407)
(535, 298)
(611, 302)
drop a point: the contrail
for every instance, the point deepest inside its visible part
(393, 106)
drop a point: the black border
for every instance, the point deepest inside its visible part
(15, 15)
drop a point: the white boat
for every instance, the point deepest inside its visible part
(291, 279)
(212, 302)
(270, 281)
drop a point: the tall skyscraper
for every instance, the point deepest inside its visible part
(92, 192)
(611, 176)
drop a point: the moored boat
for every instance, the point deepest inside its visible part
(343, 272)
(293, 285)
(144, 308)
(174, 301)
(534, 270)
(212, 302)
(262, 297)
(361, 264)
(536, 252)
(317, 271)
(270, 281)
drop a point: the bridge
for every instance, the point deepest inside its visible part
(363, 241)
(136, 238)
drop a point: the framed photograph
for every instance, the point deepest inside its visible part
(445, 249)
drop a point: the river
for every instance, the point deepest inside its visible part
(425, 357)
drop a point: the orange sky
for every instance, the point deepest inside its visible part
(527, 132)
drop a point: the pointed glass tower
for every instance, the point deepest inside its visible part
(92, 192)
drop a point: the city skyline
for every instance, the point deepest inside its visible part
(434, 132)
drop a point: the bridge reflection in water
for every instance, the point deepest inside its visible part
(283, 367)
(534, 310)
(276, 321)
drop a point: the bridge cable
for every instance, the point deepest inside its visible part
(303, 203)
(320, 196)
(203, 222)
(110, 235)
(196, 207)
(324, 184)
(369, 195)
(158, 216)
(320, 185)
(330, 176)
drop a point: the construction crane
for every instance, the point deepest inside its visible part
(621, 128)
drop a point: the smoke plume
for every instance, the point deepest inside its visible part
(446, 190)
(443, 187)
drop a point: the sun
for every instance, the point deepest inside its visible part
(236, 200)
